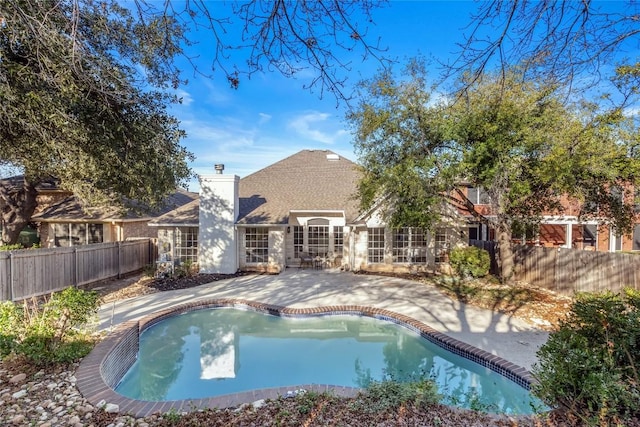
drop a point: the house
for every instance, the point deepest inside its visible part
(303, 204)
(48, 193)
(557, 229)
(68, 223)
(60, 219)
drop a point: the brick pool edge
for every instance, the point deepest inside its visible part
(101, 370)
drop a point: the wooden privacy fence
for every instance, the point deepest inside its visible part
(567, 271)
(27, 273)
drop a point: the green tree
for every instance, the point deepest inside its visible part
(517, 140)
(75, 106)
(85, 85)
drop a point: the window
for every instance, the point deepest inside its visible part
(617, 242)
(187, 244)
(74, 234)
(375, 246)
(590, 235)
(474, 234)
(419, 245)
(617, 193)
(409, 245)
(441, 245)
(94, 233)
(61, 235)
(400, 246)
(338, 240)
(256, 242)
(636, 238)
(298, 240)
(477, 196)
(318, 240)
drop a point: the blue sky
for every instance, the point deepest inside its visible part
(270, 117)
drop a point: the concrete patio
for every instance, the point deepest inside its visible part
(508, 337)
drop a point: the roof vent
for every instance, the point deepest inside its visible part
(333, 157)
(219, 168)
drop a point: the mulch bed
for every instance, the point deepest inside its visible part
(173, 283)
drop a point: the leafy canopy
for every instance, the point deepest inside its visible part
(518, 140)
(84, 100)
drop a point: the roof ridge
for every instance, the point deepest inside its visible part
(306, 150)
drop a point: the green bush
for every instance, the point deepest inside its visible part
(150, 270)
(186, 269)
(11, 247)
(380, 396)
(11, 326)
(470, 261)
(51, 332)
(589, 367)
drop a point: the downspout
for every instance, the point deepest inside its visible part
(352, 245)
(173, 249)
(237, 251)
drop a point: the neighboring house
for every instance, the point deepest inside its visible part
(68, 223)
(564, 230)
(303, 204)
(48, 193)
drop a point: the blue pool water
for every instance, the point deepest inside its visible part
(212, 352)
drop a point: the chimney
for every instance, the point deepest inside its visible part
(219, 168)
(219, 209)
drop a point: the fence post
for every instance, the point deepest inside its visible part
(119, 259)
(11, 292)
(75, 266)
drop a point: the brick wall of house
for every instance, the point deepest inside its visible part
(603, 238)
(138, 229)
(44, 231)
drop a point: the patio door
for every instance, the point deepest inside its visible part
(318, 240)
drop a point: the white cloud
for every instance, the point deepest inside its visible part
(246, 144)
(264, 118)
(632, 112)
(227, 136)
(316, 126)
(187, 99)
(215, 95)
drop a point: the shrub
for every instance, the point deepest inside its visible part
(11, 247)
(470, 261)
(589, 367)
(11, 325)
(186, 269)
(51, 332)
(380, 396)
(150, 270)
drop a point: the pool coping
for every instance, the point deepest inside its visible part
(101, 370)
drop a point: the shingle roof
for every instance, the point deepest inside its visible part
(308, 180)
(184, 215)
(71, 209)
(17, 181)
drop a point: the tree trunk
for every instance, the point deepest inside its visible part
(505, 252)
(17, 205)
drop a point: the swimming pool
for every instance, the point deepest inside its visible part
(428, 353)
